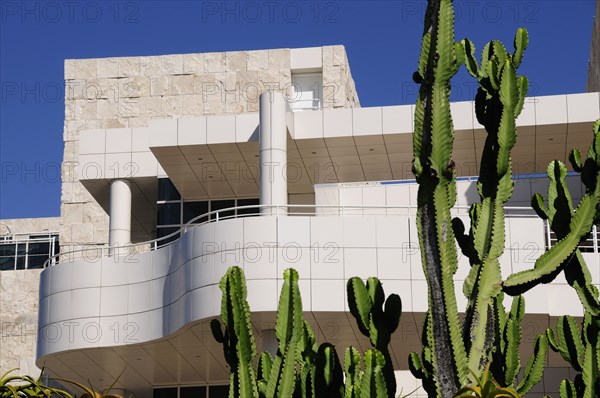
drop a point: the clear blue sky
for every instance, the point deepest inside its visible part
(382, 39)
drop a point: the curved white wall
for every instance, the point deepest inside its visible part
(103, 302)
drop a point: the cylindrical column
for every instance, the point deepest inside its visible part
(273, 153)
(119, 233)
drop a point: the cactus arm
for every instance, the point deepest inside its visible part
(352, 371)
(377, 318)
(521, 42)
(329, 378)
(373, 383)
(289, 328)
(554, 260)
(534, 369)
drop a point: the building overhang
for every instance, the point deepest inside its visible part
(212, 157)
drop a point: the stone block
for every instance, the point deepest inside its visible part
(150, 106)
(183, 84)
(204, 81)
(339, 55)
(70, 72)
(86, 69)
(150, 66)
(193, 63)
(129, 66)
(236, 61)
(172, 64)
(258, 60)
(106, 109)
(82, 233)
(193, 105)
(71, 151)
(80, 194)
(129, 107)
(171, 105)
(94, 214)
(161, 85)
(72, 213)
(214, 108)
(142, 86)
(279, 59)
(114, 123)
(328, 56)
(107, 67)
(214, 62)
(141, 121)
(85, 110)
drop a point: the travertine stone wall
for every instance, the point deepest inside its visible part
(18, 320)
(128, 92)
(593, 83)
(19, 302)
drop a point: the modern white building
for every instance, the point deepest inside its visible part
(177, 167)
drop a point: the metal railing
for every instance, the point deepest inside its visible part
(19, 247)
(96, 251)
(591, 244)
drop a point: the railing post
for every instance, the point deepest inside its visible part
(595, 238)
(547, 224)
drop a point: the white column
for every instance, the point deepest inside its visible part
(119, 233)
(273, 153)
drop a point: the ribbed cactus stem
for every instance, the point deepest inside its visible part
(435, 171)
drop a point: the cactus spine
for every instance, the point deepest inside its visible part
(300, 368)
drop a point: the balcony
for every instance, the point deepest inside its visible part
(145, 308)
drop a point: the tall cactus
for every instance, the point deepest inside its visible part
(449, 353)
(498, 103)
(300, 368)
(434, 170)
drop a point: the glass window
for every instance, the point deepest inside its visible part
(7, 263)
(223, 204)
(194, 209)
(170, 392)
(169, 214)
(39, 248)
(34, 262)
(248, 202)
(166, 190)
(218, 391)
(192, 392)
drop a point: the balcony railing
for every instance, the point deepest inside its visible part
(104, 250)
(27, 250)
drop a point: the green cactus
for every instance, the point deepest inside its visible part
(377, 318)
(449, 353)
(581, 349)
(570, 225)
(505, 359)
(435, 172)
(498, 103)
(237, 336)
(300, 368)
